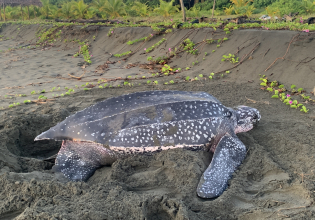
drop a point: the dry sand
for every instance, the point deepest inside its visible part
(275, 181)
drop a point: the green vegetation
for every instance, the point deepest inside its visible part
(104, 9)
(122, 54)
(147, 50)
(284, 95)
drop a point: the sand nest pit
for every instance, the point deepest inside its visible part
(275, 180)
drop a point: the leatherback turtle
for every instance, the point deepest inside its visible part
(151, 121)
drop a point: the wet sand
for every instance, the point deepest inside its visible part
(275, 181)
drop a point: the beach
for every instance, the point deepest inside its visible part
(275, 181)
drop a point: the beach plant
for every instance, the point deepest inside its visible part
(110, 32)
(187, 78)
(136, 40)
(211, 75)
(122, 54)
(26, 101)
(270, 89)
(189, 46)
(147, 50)
(304, 109)
(231, 58)
(166, 69)
(33, 92)
(42, 97)
(264, 82)
(276, 95)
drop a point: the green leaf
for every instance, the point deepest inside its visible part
(276, 92)
(275, 96)
(270, 89)
(263, 84)
(281, 86)
(293, 106)
(293, 86)
(300, 89)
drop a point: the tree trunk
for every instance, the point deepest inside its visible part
(213, 8)
(183, 10)
(28, 12)
(22, 12)
(34, 11)
(0, 14)
(4, 11)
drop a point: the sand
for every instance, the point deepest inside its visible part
(275, 181)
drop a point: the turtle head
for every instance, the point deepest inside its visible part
(246, 118)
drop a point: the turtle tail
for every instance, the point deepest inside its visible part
(79, 160)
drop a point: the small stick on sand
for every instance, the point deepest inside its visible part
(266, 52)
(253, 101)
(76, 77)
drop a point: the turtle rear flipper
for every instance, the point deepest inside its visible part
(228, 155)
(79, 160)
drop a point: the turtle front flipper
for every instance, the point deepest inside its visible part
(228, 155)
(79, 160)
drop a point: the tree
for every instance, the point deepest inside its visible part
(66, 11)
(309, 6)
(183, 10)
(45, 9)
(166, 8)
(80, 9)
(142, 9)
(114, 8)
